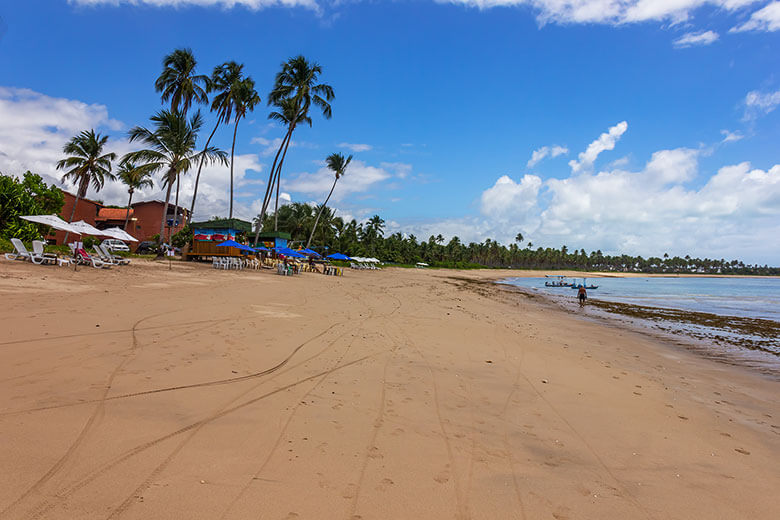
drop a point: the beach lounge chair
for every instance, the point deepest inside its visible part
(21, 251)
(114, 259)
(40, 257)
(82, 257)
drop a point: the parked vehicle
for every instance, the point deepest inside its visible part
(115, 245)
(147, 247)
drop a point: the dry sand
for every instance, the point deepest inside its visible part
(407, 394)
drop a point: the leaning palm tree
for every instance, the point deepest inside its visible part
(171, 149)
(297, 81)
(135, 178)
(246, 98)
(286, 115)
(225, 80)
(338, 164)
(179, 83)
(86, 163)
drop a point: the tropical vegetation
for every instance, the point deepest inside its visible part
(28, 195)
(368, 238)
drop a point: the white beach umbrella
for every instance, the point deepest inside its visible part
(120, 234)
(52, 221)
(87, 229)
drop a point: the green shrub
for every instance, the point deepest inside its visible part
(182, 238)
(26, 196)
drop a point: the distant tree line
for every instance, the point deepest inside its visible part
(333, 234)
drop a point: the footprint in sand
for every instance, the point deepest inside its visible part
(443, 477)
(742, 451)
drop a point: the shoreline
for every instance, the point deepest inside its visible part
(147, 393)
(733, 340)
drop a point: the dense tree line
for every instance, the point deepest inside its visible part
(333, 234)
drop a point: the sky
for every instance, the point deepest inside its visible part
(630, 126)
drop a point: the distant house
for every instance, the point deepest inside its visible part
(143, 224)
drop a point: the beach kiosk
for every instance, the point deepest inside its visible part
(206, 236)
(272, 239)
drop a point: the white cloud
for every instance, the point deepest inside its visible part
(401, 170)
(729, 137)
(608, 11)
(695, 39)
(508, 200)
(227, 4)
(606, 141)
(760, 103)
(34, 128)
(545, 151)
(359, 178)
(355, 147)
(648, 212)
(765, 19)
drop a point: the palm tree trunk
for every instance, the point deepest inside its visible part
(127, 215)
(269, 187)
(232, 154)
(82, 191)
(176, 211)
(316, 220)
(200, 167)
(279, 180)
(165, 207)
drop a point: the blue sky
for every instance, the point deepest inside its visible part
(654, 123)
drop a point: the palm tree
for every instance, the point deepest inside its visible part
(297, 81)
(179, 83)
(86, 164)
(135, 178)
(245, 100)
(338, 164)
(172, 149)
(225, 80)
(288, 112)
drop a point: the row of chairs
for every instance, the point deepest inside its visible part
(353, 265)
(37, 256)
(233, 262)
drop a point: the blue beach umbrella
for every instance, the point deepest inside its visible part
(233, 243)
(338, 256)
(308, 251)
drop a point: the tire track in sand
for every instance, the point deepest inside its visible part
(461, 504)
(94, 418)
(63, 495)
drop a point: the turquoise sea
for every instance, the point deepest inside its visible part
(746, 305)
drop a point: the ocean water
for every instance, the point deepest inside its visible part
(747, 332)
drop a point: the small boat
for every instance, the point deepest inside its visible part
(584, 284)
(559, 281)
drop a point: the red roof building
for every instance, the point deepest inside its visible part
(143, 224)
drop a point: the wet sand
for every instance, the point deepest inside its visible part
(145, 393)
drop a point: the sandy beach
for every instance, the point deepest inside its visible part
(148, 393)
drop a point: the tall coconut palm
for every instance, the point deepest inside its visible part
(338, 164)
(135, 178)
(225, 80)
(179, 83)
(86, 163)
(171, 149)
(245, 100)
(297, 81)
(286, 114)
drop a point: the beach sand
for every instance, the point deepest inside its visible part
(144, 393)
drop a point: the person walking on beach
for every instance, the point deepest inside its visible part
(582, 294)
